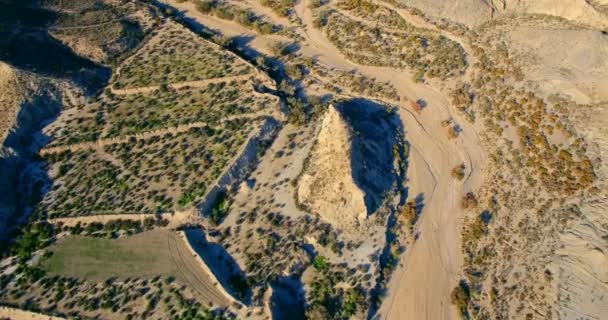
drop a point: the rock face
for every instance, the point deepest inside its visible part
(351, 168)
(559, 67)
(328, 187)
(9, 99)
(593, 13)
(467, 12)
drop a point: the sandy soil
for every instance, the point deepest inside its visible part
(18, 314)
(9, 99)
(564, 61)
(475, 12)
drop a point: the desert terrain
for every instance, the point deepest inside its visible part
(304, 159)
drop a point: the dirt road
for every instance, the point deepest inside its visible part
(13, 313)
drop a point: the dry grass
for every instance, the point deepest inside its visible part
(143, 255)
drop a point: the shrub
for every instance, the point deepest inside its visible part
(315, 4)
(458, 172)
(320, 263)
(461, 296)
(279, 48)
(321, 20)
(409, 213)
(469, 201)
(453, 132)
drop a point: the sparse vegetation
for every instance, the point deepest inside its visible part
(244, 17)
(281, 7)
(174, 56)
(134, 180)
(400, 46)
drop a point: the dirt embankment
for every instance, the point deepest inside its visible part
(242, 165)
(18, 314)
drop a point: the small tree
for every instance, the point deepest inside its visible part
(461, 297)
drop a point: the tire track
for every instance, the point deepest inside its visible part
(208, 291)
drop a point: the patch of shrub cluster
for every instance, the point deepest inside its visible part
(428, 53)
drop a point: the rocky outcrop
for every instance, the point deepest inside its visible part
(9, 99)
(327, 187)
(350, 170)
(592, 13)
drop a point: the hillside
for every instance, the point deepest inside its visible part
(342, 159)
(473, 13)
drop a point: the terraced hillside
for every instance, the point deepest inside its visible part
(153, 148)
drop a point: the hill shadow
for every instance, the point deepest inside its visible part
(26, 44)
(225, 269)
(375, 132)
(288, 299)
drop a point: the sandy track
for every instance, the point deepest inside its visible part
(228, 28)
(175, 218)
(181, 85)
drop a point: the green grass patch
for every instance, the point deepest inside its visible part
(142, 255)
